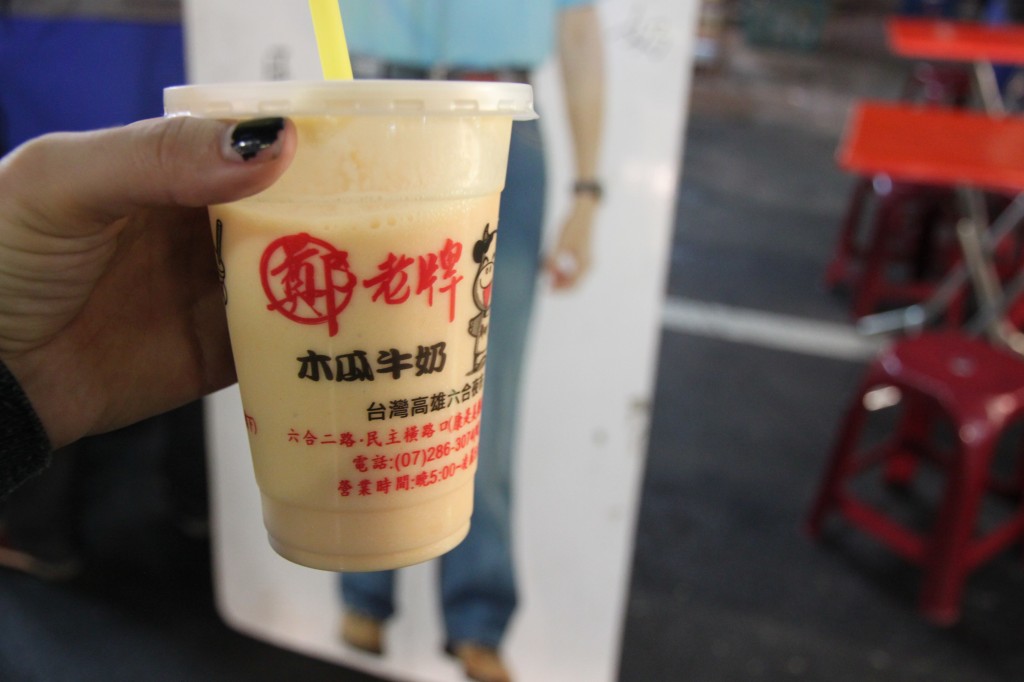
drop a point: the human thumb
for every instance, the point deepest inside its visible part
(102, 175)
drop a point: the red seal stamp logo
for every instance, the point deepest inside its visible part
(307, 280)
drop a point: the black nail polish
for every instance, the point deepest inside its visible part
(249, 138)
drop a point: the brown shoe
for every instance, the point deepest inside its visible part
(481, 663)
(363, 632)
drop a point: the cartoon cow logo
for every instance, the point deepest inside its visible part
(483, 254)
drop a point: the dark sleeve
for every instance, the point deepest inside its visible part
(24, 445)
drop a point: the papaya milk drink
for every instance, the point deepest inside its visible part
(357, 291)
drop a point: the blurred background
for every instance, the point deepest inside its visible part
(759, 357)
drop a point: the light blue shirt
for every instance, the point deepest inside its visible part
(473, 34)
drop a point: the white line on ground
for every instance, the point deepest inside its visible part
(781, 332)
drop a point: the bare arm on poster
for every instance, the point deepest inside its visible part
(110, 307)
(582, 62)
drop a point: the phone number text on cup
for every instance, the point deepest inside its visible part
(405, 482)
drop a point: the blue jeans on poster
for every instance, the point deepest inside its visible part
(478, 590)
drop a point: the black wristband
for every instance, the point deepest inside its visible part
(591, 187)
(24, 445)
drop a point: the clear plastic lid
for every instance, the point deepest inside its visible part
(355, 97)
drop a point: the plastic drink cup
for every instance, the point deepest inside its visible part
(357, 291)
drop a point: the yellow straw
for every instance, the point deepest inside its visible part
(330, 40)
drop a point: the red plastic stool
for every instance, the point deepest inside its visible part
(904, 249)
(979, 390)
(943, 84)
(899, 254)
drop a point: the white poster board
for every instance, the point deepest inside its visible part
(584, 423)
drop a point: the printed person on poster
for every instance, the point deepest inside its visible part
(501, 41)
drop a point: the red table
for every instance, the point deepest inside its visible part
(935, 145)
(980, 44)
(969, 150)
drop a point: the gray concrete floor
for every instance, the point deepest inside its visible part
(725, 584)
